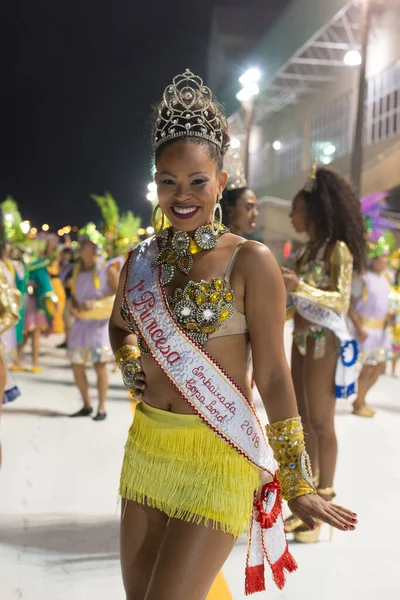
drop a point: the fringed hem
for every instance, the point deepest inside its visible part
(255, 579)
(180, 467)
(178, 513)
(285, 564)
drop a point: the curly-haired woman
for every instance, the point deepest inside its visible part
(323, 353)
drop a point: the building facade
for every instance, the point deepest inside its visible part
(307, 104)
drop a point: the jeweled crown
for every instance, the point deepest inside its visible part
(312, 178)
(188, 109)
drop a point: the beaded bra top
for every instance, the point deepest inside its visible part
(314, 271)
(204, 309)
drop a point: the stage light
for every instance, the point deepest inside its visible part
(151, 196)
(25, 226)
(45, 227)
(329, 150)
(352, 58)
(248, 92)
(152, 186)
(141, 231)
(150, 230)
(235, 143)
(251, 76)
(277, 145)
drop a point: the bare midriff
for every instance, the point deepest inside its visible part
(231, 353)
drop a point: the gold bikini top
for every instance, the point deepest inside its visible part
(205, 309)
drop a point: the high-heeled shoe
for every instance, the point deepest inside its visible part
(292, 522)
(303, 535)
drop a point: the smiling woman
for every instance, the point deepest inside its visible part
(191, 303)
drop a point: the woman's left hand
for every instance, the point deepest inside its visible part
(291, 279)
(312, 508)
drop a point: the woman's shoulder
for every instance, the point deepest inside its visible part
(255, 259)
(340, 253)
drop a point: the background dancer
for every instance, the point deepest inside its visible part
(239, 202)
(329, 212)
(94, 283)
(40, 306)
(370, 314)
(52, 255)
(9, 315)
(187, 493)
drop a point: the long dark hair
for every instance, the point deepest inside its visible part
(229, 200)
(334, 208)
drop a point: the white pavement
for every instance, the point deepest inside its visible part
(58, 500)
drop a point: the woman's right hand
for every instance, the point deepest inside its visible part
(139, 386)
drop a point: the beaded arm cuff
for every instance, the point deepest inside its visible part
(125, 352)
(287, 442)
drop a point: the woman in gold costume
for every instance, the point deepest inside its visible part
(329, 212)
(190, 307)
(52, 254)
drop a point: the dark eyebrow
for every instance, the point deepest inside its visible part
(190, 174)
(167, 173)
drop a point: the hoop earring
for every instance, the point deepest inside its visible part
(154, 218)
(216, 226)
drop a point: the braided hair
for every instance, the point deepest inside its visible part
(334, 209)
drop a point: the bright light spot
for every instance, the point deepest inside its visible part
(141, 231)
(251, 76)
(248, 92)
(60, 232)
(67, 229)
(352, 58)
(33, 231)
(326, 160)
(150, 230)
(152, 187)
(277, 145)
(329, 150)
(45, 227)
(151, 196)
(235, 143)
(25, 227)
(9, 217)
(287, 248)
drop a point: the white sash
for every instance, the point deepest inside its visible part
(345, 378)
(218, 401)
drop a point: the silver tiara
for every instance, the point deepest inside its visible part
(187, 109)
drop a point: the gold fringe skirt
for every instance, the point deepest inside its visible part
(177, 464)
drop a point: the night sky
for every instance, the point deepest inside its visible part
(78, 79)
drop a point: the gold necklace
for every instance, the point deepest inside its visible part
(176, 250)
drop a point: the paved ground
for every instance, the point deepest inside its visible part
(58, 501)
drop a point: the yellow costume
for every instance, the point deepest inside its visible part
(53, 270)
(177, 464)
(329, 288)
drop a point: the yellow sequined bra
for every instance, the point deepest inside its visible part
(204, 309)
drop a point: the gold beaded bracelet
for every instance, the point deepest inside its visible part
(125, 352)
(287, 442)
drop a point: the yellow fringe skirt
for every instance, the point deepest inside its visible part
(177, 464)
